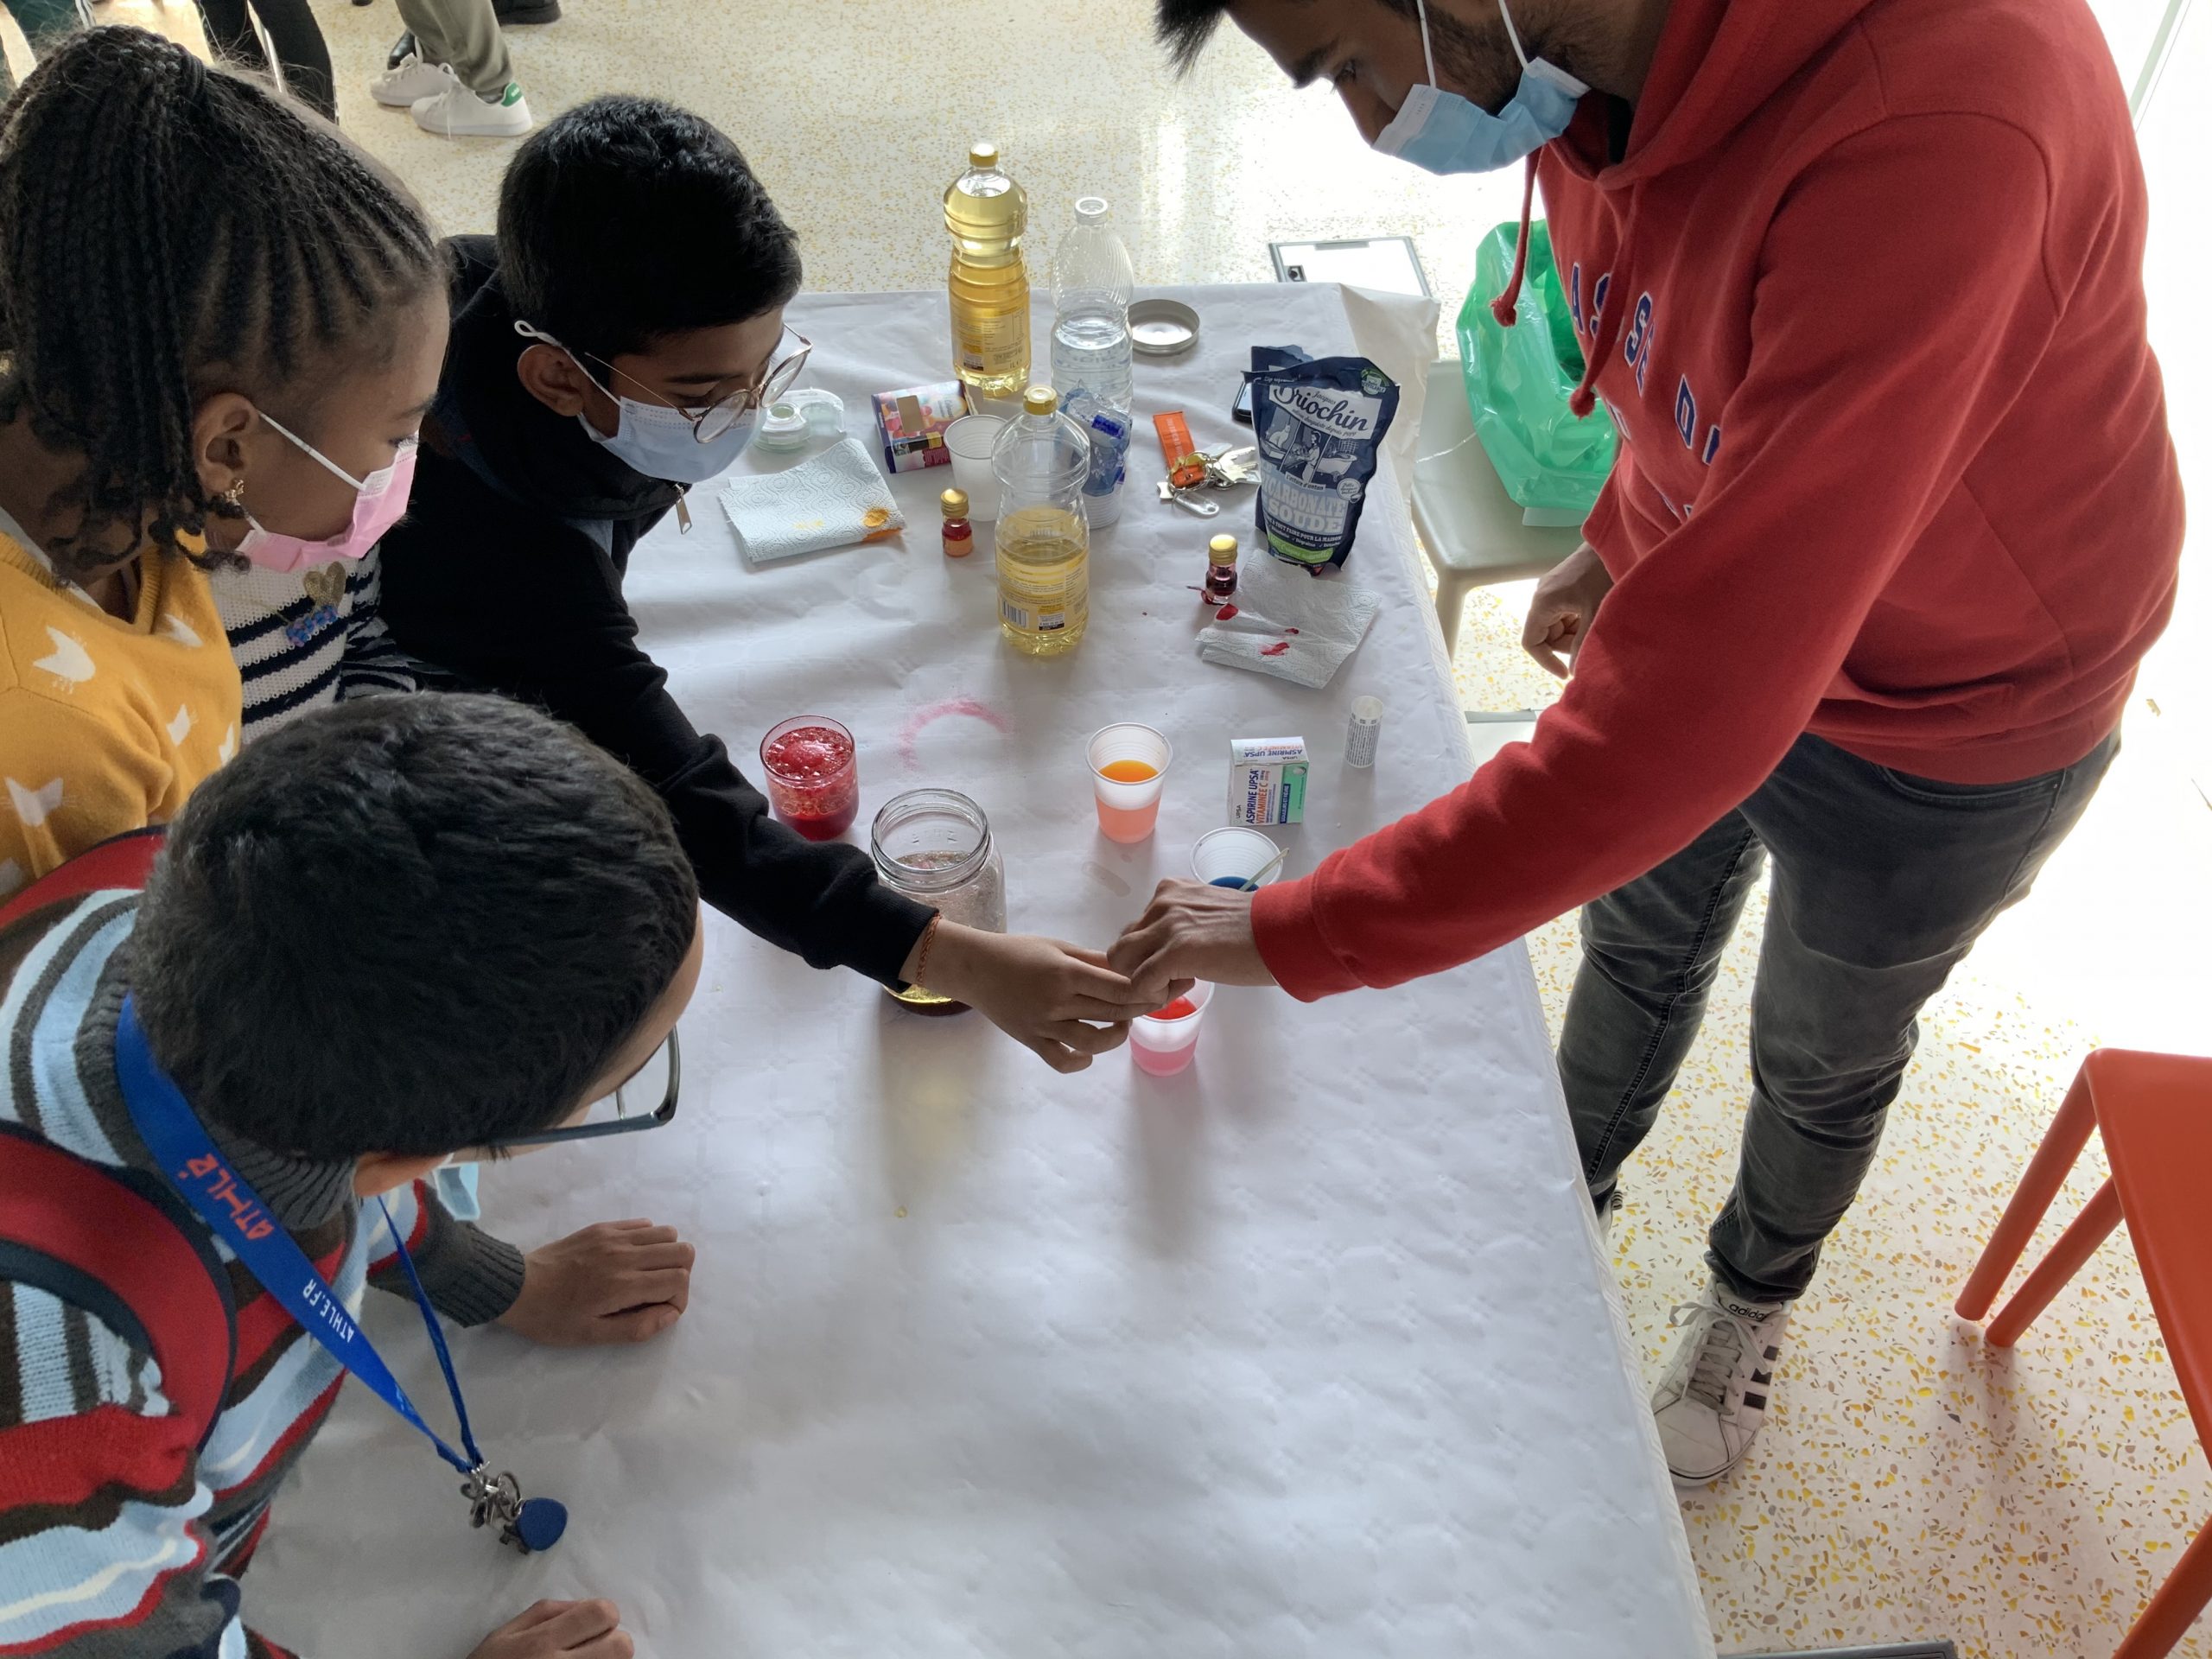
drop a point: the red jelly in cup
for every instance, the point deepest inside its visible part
(813, 776)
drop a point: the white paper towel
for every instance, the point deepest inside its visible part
(835, 499)
(1293, 625)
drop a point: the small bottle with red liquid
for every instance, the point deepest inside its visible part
(959, 533)
(813, 776)
(1221, 570)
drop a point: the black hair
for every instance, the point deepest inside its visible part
(1184, 27)
(168, 230)
(408, 925)
(624, 219)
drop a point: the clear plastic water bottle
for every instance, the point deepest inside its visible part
(1093, 283)
(1044, 537)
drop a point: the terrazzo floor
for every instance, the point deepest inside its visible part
(1909, 1483)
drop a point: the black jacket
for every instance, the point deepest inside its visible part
(507, 576)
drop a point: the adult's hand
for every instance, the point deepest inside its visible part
(1190, 931)
(1566, 605)
(560, 1629)
(616, 1281)
(1059, 1001)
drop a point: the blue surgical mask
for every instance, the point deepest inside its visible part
(1443, 132)
(658, 441)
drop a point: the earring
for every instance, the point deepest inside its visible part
(235, 496)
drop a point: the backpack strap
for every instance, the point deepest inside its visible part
(120, 1245)
(122, 861)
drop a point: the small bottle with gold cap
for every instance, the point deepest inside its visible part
(1221, 570)
(959, 534)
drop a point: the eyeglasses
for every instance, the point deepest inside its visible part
(624, 1112)
(713, 420)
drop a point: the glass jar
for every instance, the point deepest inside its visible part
(934, 845)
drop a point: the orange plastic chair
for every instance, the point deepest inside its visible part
(2155, 1114)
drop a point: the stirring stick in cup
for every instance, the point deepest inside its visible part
(1252, 883)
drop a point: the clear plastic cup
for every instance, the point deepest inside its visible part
(1163, 1042)
(969, 442)
(1129, 770)
(1230, 857)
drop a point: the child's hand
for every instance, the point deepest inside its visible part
(560, 1629)
(1058, 1000)
(618, 1281)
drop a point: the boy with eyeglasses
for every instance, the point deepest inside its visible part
(391, 931)
(612, 346)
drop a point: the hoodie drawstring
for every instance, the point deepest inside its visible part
(1504, 306)
(1618, 304)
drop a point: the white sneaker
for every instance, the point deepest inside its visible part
(457, 112)
(1712, 1398)
(407, 82)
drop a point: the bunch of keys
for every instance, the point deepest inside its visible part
(529, 1524)
(1224, 470)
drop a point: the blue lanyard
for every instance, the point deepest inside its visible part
(221, 1197)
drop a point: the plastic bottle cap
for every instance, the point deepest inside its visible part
(1222, 550)
(1040, 400)
(983, 157)
(953, 504)
(1091, 209)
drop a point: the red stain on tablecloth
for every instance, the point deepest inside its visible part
(930, 713)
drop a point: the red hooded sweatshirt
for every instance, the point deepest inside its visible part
(1863, 292)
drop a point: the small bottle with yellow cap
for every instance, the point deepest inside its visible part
(1221, 571)
(959, 534)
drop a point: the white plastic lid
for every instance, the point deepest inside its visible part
(1091, 209)
(1367, 711)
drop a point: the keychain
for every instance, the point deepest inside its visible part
(528, 1523)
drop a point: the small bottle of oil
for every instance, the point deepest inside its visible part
(959, 534)
(1221, 570)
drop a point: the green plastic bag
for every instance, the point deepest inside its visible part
(1519, 379)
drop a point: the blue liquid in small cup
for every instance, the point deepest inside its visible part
(1229, 880)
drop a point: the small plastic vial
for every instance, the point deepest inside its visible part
(959, 534)
(1221, 570)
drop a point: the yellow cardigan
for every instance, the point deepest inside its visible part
(105, 725)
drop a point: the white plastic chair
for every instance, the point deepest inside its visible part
(1471, 529)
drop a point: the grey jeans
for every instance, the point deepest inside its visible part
(1881, 883)
(465, 35)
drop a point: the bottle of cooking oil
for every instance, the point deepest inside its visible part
(1043, 543)
(986, 212)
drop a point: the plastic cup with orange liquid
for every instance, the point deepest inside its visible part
(1129, 769)
(1164, 1041)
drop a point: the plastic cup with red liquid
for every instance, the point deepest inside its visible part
(1129, 770)
(813, 776)
(1164, 1041)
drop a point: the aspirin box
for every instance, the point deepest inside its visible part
(1267, 780)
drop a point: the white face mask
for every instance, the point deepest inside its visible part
(1443, 132)
(658, 441)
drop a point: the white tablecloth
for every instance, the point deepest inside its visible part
(1306, 1351)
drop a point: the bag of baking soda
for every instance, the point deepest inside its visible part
(1320, 424)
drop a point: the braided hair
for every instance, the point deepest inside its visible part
(167, 232)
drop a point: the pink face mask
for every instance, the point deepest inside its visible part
(379, 500)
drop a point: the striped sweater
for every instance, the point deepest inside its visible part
(116, 1537)
(303, 638)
